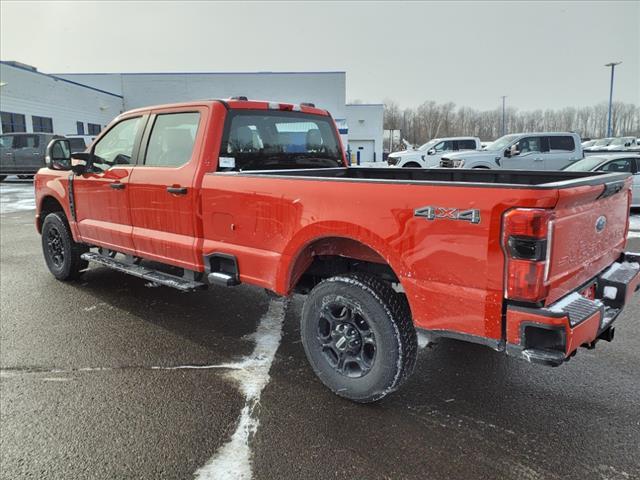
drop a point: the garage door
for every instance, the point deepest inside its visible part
(365, 147)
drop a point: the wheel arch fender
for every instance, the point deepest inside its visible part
(333, 238)
(52, 197)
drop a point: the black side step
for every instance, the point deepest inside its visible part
(155, 276)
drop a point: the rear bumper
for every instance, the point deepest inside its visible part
(551, 335)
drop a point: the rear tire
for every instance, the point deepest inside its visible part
(61, 253)
(358, 336)
(2, 177)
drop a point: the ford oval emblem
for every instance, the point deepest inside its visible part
(601, 222)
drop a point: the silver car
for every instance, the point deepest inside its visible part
(618, 162)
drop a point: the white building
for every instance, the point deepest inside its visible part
(31, 101)
(30, 93)
(365, 131)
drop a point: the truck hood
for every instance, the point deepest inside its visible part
(407, 153)
(475, 154)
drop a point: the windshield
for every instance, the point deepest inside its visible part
(502, 142)
(429, 144)
(586, 164)
(620, 141)
(263, 140)
(602, 142)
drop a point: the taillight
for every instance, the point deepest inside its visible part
(527, 242)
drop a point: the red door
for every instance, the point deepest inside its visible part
(101, 198)
(162, 190)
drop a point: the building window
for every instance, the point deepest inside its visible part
(93, 128)
(80, 128)
(13, 122)
(42, 124)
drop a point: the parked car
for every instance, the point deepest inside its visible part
(23, 154)
(259, 192)
(429, 154)
(621, 143)
(522, 151)
(601, 144)
(619, 162)
(588, 144)
(79, 143)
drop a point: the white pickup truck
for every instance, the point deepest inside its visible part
(429, 154)
(522, 151)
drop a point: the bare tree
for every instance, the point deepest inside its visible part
(430, 120)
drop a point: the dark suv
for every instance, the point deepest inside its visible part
(23, 154)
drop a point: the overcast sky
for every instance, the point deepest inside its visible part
(542, 55)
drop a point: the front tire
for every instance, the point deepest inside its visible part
(411, 165)
(358, 336)
(61, 253)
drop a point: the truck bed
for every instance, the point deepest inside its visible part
(450, 176)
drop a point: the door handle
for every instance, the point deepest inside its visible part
(117, 186)
(177, 190)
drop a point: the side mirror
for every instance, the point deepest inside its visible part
(431, 151)
(58, 155)
(507, 152)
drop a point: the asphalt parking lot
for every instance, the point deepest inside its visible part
(111, 377)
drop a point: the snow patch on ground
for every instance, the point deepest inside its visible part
(16, 197)
(634, 222)
(233, 460)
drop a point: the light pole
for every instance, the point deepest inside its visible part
(613, 67)
(504, 123)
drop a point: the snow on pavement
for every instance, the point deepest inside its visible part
(233, 460)
(16, 197)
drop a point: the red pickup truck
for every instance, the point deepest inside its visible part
(240, 191)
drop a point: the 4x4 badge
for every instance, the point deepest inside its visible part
(431, 213)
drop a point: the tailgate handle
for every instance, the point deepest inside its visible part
(611, 188)
(117, 185)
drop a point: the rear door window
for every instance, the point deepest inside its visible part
(77, 144)
(466, 144)
(26, 141)
(561, 144)
(172, 139)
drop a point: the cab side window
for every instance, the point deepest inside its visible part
(622, 165)
(529, 145)
(116, 147)
(444, 146)
(26, 141)
(6, 141)
(172, 139)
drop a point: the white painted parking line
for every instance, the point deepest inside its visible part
(233, 460)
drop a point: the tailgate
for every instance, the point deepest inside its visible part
(587, 235)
